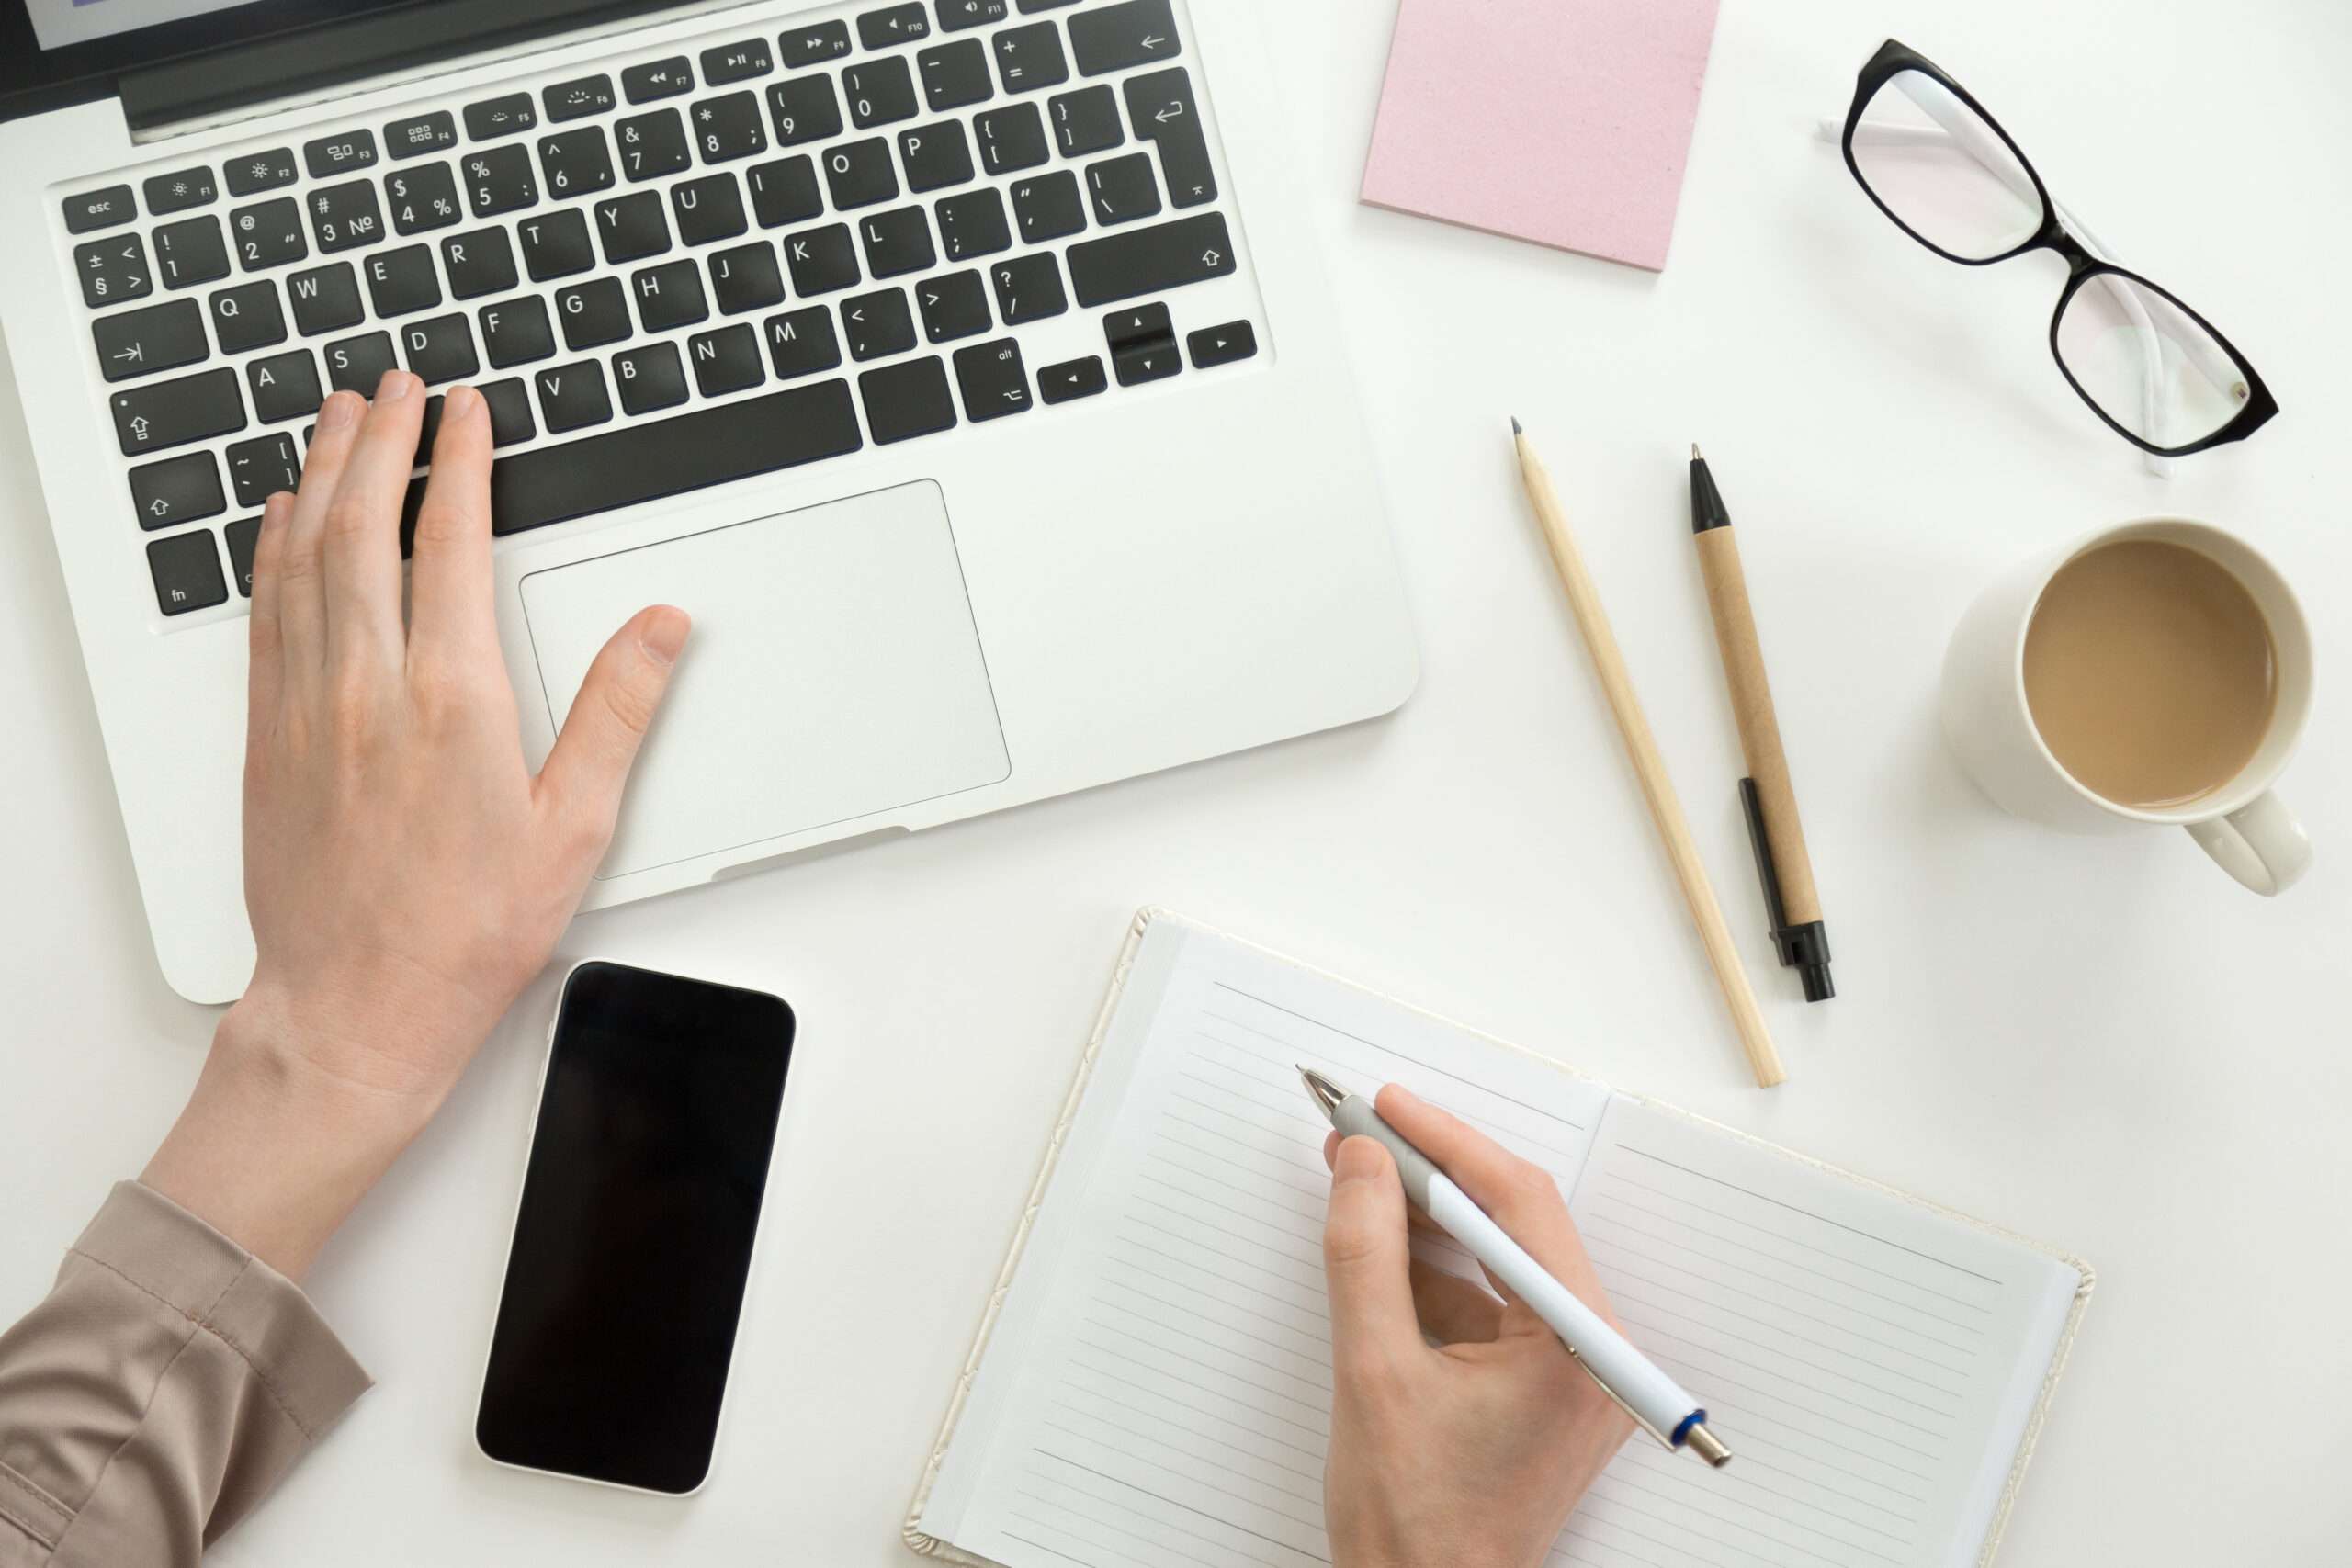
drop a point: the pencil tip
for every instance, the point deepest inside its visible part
(1694, 453)
(1516, 429)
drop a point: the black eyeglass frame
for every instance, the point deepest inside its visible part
(1892, 60)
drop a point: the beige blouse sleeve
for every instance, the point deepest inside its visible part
(157, 1393)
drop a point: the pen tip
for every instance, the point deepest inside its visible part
(1694, 453)
(1516, 428)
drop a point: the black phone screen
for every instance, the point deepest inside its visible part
(634, 1240)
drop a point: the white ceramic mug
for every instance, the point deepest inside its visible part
(1987, 719)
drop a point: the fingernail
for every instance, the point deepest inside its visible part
(340, 410)
(392, 388)
(665, 635)
(460, 403)
(1360, 1159)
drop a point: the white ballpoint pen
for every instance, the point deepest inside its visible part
(1657, 1404)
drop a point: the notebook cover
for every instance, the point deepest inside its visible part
(947, 1552)
(1567, 122)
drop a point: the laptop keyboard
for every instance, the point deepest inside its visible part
(674, 272)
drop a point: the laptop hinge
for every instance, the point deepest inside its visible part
(412, 39)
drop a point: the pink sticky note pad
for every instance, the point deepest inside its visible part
(1567, 122)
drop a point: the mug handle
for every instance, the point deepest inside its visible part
(2260, 844)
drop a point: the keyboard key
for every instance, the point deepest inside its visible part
(954, 307)
(955, 75)
(508, 116)
(258, 172)
(483, 262)
(556, 245)
(1115, 37)
(650, 379)
(510, 411)
(267, 234)
(401, 282)
(1123, 190)
(346, 217)
(1030, 58)
(1012, 138)
(1049, 206)
(632, 227)
(877, 325)
(500, 180)
(141, 342)
(747, 279)
(1136, 261)
(726, 361)
(421, 134)
(1077, 378)
(332, 155)
(994, 381)
(516, 331)
(801, 342)
(658, 79)
(730, 128)
(1227, 344)
(577, 99)
(247, 317)
(259, 468)
(903, 402)
(880, 91)
(244, 536)
(670, 297)
(972, 223)
(1087, 122)
(325, 300)
(179, 191)
(188, 573)
(786, 191)
(423, 198)
(957, 15)
(708, 209)
(576, 161)
(594, 314)
(1031, 8)
(898, 243)
(804, 109)
(573, 397)
(823, 261)
(860, 174)
(441, 349)
(1029, 288)
(814, 44)
(96, 210)
(897, 25)
(359, 364)
(736, 62)
(176, 490)
(937, 156)
(1143, 345)
(285, 386)
(113, 271)
(1166, 113)
(653, 144)
(658, 458)
(191, 251)
(1155, 363)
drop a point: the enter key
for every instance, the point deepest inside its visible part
(1164, 111)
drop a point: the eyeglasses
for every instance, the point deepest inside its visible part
(1948, 176)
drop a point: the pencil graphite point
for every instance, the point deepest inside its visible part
(1515, 427)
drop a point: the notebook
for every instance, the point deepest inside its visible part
(1150, 1384)
(1567, 122)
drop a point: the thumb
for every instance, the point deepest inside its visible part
(591, 762)
(1365, 1258)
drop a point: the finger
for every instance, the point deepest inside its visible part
(450, 570)
(265, 679)
(591, 762)
(1414, 1218)
(360, 550)
(301, 589)
(1520, 1195)
(1453, 1310)
(1373, 1327)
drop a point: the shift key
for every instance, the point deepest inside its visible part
(172, 413)
(1137, 262)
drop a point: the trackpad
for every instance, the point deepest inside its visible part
(834, 673)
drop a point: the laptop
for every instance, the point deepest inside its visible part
(965, 368)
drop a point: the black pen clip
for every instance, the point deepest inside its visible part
(1803, 948)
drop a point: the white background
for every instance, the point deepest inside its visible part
(2102, 1043)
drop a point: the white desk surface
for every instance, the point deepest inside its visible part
(2100, 1041)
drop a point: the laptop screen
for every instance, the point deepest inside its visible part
(61, 24)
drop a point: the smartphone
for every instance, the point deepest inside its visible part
(633, 1241)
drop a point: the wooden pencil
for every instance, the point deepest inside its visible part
(1658, 787)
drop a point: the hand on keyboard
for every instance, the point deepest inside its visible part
(406, 875)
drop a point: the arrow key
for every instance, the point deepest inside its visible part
(1115, 38)
(176, 490)
(1227, 344)
(140, 342)
(1069, 382)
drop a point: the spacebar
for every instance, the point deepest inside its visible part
(639, 463)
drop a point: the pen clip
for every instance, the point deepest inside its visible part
(1751, 805)
(1615, 1398)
